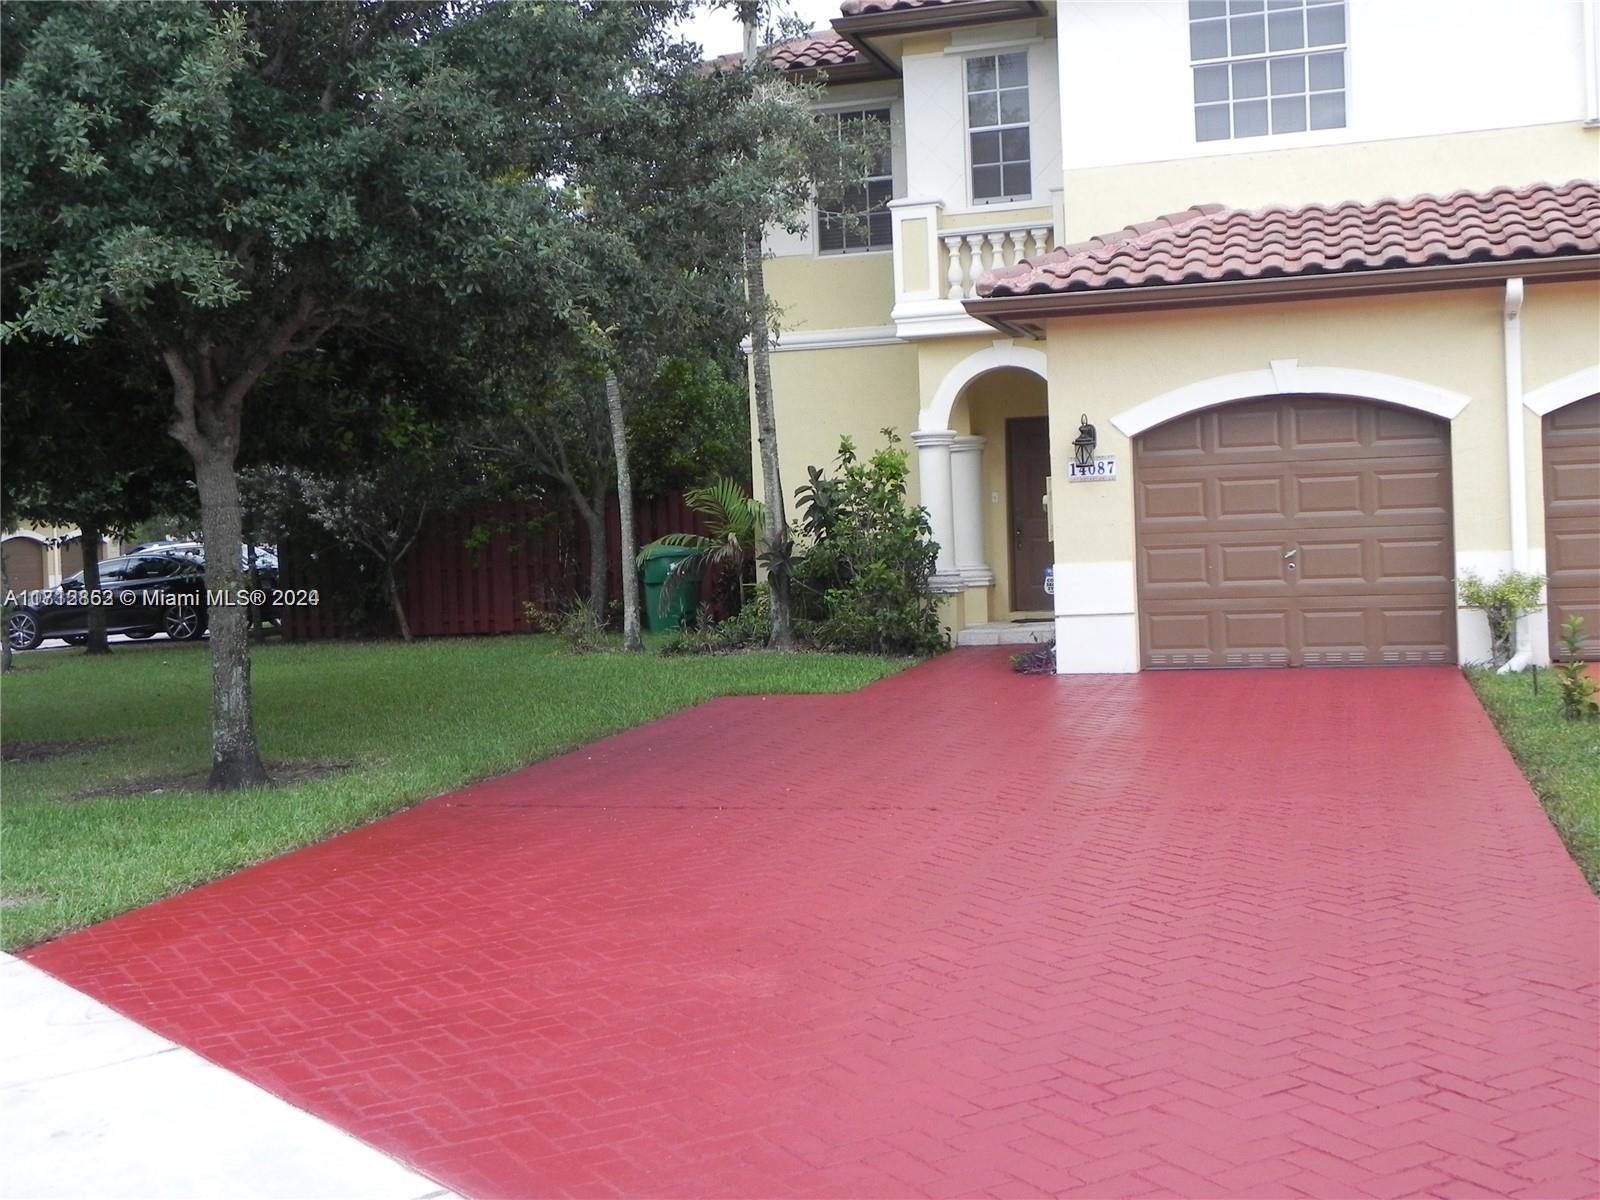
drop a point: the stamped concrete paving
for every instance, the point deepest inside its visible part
(962, 933)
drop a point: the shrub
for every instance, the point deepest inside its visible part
(576, 625)
(1504, 600)
(863, 581)
(1572, 676)
(747, 629)
(1041, 660)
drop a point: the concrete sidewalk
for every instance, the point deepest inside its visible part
(96, 1107)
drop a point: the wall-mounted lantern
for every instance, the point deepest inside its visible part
(1083, 445)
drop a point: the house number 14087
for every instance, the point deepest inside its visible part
(1101, 469)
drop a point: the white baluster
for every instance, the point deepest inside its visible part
(997, 250)
(1019, 246)
(1041, 240)
(975, 264)
(953, 274)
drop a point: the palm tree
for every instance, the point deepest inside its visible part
(736, 522)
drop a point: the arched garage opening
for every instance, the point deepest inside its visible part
(1572, 520)
(1295, 530)
(24, 562)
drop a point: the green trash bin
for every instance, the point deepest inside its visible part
(664, 609)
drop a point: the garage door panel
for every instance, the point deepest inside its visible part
(1572, 519)
(1173, 566)
(1417, 493)
(1418, 633)
(1358, 493)
(1248, 427)
(1250, 496)
(1402, 431)
(1180, 638)
(1574, 487)
(1325, 427)
(1334, 496)
(1174, 501)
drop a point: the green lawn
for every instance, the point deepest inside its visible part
(411, 722)
(1561, 758)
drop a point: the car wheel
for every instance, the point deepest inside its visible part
(139, 635)
(183, 623)
(22, 631)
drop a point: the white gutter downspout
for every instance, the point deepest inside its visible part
(1591, 62)
(1516, 458)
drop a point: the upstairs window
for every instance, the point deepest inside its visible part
(859, 219)
(997, 127)
(1266, 66)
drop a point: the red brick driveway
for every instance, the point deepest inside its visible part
(963, 933)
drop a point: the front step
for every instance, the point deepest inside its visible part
(1007, 633)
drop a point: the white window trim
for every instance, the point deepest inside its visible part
(1307, 136)
(891, 105)
(973, 202)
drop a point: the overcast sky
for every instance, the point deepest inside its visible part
(717, 30)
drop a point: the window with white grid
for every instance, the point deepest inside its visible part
(997, 127)
(859, 219)
(1267, 66)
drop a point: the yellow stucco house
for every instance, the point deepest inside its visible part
(1251, 324)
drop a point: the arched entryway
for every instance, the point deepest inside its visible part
(1295, 530)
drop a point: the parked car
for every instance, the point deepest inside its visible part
(142, 595)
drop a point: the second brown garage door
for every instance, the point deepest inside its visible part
(1572, 520)
(1308, 530)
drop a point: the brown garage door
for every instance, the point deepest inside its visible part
(1308, 530)
(1572, 519)
(24, 564)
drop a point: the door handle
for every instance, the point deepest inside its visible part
(1016, 536)
(1289, 557)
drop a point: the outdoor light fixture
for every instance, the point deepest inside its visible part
(1083, 445)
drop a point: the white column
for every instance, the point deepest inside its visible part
(933, 469)
(966, 486)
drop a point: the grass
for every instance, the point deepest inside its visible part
(1561, 758)
(411, 722)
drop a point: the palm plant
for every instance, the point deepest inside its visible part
(735, 521)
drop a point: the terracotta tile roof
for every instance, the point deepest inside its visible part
(1213, 244)
(855, 8)
(824, 48)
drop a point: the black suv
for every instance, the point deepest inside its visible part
(142, 595)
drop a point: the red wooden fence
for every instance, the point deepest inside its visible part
(473, 572)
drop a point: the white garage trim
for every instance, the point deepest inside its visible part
(1003, 353)
(1580, 385)
(1285, 376)
(23, 533)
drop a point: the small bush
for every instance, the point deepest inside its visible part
(576, 625)
(863, 584)
(1041, 660)
(1572, 677)
(747, 629)
(1504, 600)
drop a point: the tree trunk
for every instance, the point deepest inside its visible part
(392, 586)
(235, 757)
(89, 543)
(5, 613)
(592, 511)
(631, 638)
(777, 532)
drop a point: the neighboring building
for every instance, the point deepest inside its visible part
(41, 556)
(1316, 271)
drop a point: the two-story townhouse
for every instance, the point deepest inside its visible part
(1256, 322)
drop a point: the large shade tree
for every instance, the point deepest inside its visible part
(225, 185)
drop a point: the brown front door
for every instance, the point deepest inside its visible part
(1311, 530)
(1027, 468)
(1572, 520)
